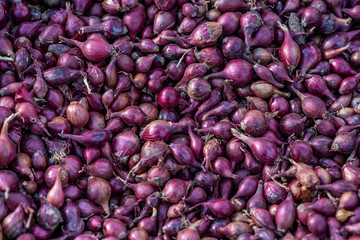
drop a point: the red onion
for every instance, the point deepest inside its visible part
(135, 20)
(262, 218)
(338, 188)
(111, 6)
(48, 216)
(141, 190)
(55, 195)
(188, 233)
(95, 49)
(352, 12)
(61, 75)
(341, 67)
(158, 175)
(175, 189)
(238, 71)
(115, 228)
(101, 168)
(159, 130)
(13, 224)
(347, 85)
(198, 89)
(285, 215)
(233, 47)
(263, 150)
(188, 24)
(344, 143)
(310, 57)
(249, 23)
(316, 84)
(205, 35)
(99, 191)
(168, 97)
(312, 106)
(51, 34)
(73, 23)
(221, 207)
(289, 52)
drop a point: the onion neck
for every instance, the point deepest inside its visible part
(71, 42)
(69, 136)
(5, 127)
(115, 115)
(298, 93)
(181, 85)
(284, 29)
(91, 29)
(341, 22)
(239, 135)
(10, 59)
(215, 75)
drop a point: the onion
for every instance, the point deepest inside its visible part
(112, 28)
(263, 150)
(95, 49)
(312, 106)
(285, 214)
(13, 224)
(135, 20)
(114, 228)
(99, 191)
(249, 23)
(111, 6)
(188, 233)
(168, 97)
(238, 71)
(347, 85)
(289, 52)
(51, 34)
(205, 35)
(221, 207)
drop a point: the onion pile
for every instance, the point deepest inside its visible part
(179, 119)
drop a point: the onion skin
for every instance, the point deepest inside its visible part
(205, 35)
